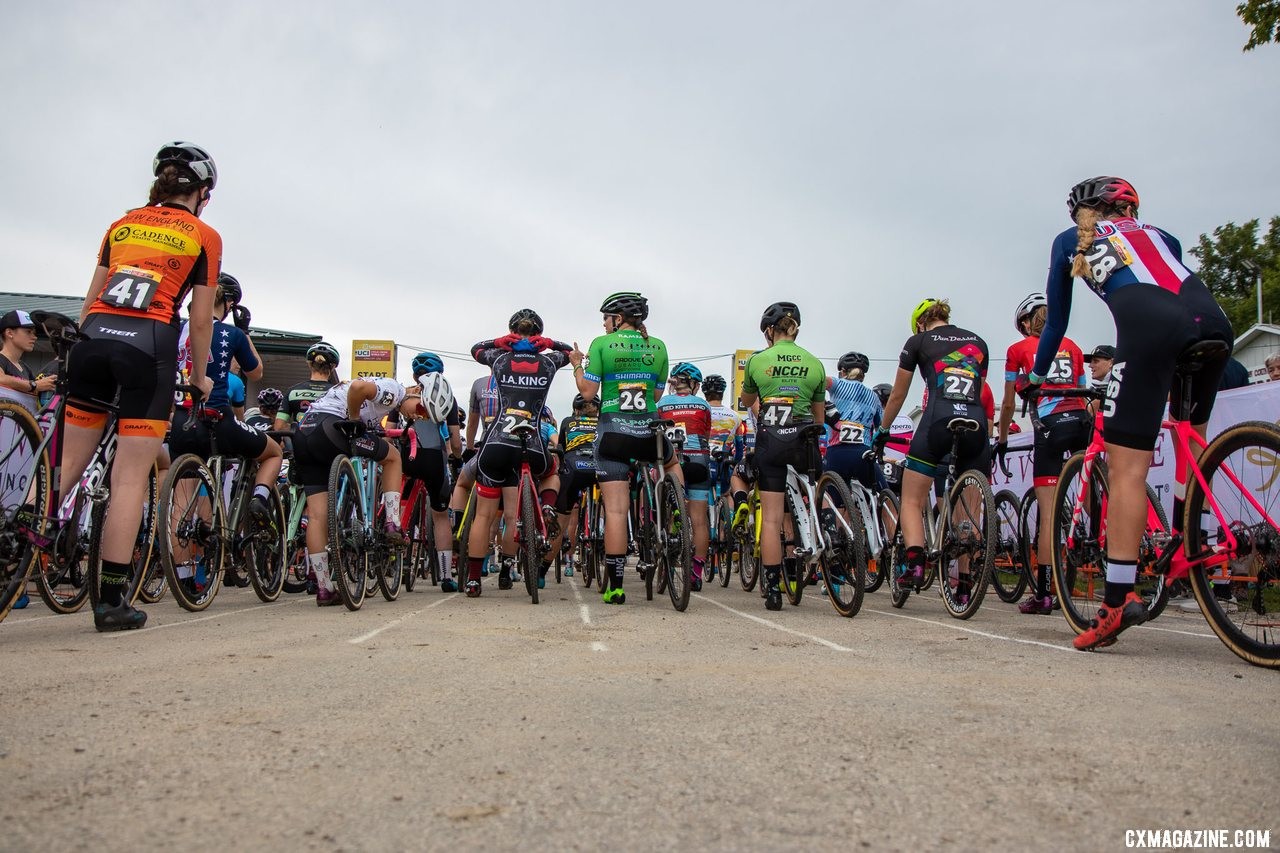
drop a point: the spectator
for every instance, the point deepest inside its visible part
(1235, 375)
(17, 380)
(1273, 367)
(1100, 361)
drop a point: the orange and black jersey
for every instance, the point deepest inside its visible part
(154, 256)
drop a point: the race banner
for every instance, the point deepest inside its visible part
(739, 374)
(373, 359)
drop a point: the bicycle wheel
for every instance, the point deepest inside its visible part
(646, 533)
(191, 532)
(266, 553)
(61, 571)
(725, 546)
(675, 539)
(844, 560)
(1078, 560)
(1029, 530)
(887, 509)
(872, 578)
(24, 505)
(527, 554)
(154, 582)
(387, 567)
(793, 570)
(1240, 597)
(460, 545)
(421, 526)
(1150, 584)
(348, 564)
(1009, 573)
(971, 531)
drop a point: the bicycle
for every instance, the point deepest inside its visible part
(418, 523)
(207, 526)
(356, 535)
(1234, 570)
(965, 531)
(746, 538)
(878, 513)
(1010, 571)
(294, 500)
(658, 517)
(589, 537)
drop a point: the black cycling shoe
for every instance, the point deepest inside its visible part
(773, 599)
(232, 578)
(121, 617)
(504, 581)
(260, 512)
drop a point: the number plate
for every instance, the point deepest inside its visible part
(676, 434)
(513, 419)
(633, 398)
(851, 432)
(959, 385)
(776, 411)
(131, 288)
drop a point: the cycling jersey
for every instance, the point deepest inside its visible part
(259, 422)
(629, 368)
(387, 399)
(789, 382)
(725, 436)
(953, 363)
(484, 403)
(236, 390)
(1066, 370)
(577, 434)
(859, 410)
(522, 380)
(693, 420)
(225, 344)
(301, 396)
(21, 371)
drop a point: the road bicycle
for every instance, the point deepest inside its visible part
(417, 521)
(746, 543)
(878, 513)
(589, 537)
(659, 522)
(962, 533)
(1227, 543)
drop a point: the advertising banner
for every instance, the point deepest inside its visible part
(739, 373)
(373, 359)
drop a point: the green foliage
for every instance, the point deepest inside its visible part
(1222, 267)
(1263, 16)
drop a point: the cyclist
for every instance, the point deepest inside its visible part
(1159, 307)
(1060, 427)
(727, 440)
(790, 385)
(577, 466)
(323, 361)
(858, 412)
(953, 363)
(269, 401)
(628, 368)
(692, 416)
(522, 372)
(150, 261)
(317, 441)
(437, 439)
(17, 382)
(482, 408)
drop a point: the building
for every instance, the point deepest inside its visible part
(283, 353)
(1255, 346)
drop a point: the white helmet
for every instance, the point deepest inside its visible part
(1026, 307)
(437, 396)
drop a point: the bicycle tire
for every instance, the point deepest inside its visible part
(1251, 635)
(17, 554)
(183, 527)
(154, 583)
(844, 561)
(527, 542)
(748, 564)
(266, 552)
(1151, 585)
(298, 567)
(461, 546)
(348, 565)
(888, 510)
(724, 545)
(871, 579)
(981, 553)
(646, 533)
(1009, 575)
(1029, 532)
(792, 587)
(898, 594)
(61, 571)
(676, 543)
(421, 526)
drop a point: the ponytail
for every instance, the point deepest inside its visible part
(1087, 220)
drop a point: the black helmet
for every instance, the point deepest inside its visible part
(627, 303)
(775, 312)
(850, 360)
(883, 390)
(1101, 191)
(714, 384)
(325, 352)
(272, 398)
(580, 402)
(526, 315)
(229, 287)
(194, 158)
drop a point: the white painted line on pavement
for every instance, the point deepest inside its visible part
(207, 618)
(599, 647)
(355, 641)
(776, 626)
(952, 625)
(1175, 631)
(584, 612)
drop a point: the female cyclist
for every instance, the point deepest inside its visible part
(150, 261)
(322, 360)
(1060, 427)
(953, 363)
(858, 412)
(1160, 308)
(629, 369)
(692, 415)
(437, 439)
(790, 385)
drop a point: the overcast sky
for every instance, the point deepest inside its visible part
(418, 171)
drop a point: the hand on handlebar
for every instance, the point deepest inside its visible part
(1002, 450)
(1028, 387)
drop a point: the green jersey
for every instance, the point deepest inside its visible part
(790, 382)
(629, 369)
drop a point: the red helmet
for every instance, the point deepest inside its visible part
(1100, 191)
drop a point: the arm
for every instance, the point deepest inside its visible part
(95, 287)
(1006, 410)
(901, 384)
(255, 372)
(359, 391)
(588, 388)
(201, 330)
(1058, 292)
(455, 441)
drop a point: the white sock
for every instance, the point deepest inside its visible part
(446, 564)
(391, 502)
(261, 491)
(320, 565)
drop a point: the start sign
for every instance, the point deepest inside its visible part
(373, 359)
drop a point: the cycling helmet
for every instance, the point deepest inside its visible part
(546, 414)
(272, 398)
(193, 157)
(686, 370)
(526, 314)
(714, 384)
(850, 360)
(426, 362)
(925, 305)
(437, 396)
(1027, 307)
(775, 312)
(580, 402)
(1100, 191)
(626, 303)
(883, 390)
(229, 287)
(324, 352)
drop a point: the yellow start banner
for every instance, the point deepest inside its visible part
(373, 359)
(739, 374)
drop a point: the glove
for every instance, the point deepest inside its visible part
(542, 343)
(1002, 449)
(506, 341)
(1028, 386)
(831, 415)
(880, 440)
(241, 317)
(468, 454)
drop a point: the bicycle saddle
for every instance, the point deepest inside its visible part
(963, 425)
(812, 431)
(1194, 357)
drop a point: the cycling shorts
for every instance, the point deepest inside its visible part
(139, 363)
(1153, 326)
(620, 440)
(1057, 436)
(697, 475)
(235, 438)
(845, 460)
(317, 442)
(931, 447)
(431, 467)
(775, 452)
(577, 473)
(498, 465)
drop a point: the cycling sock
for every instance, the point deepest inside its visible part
(115, 577)
(615, 564)
(772, 576)
(446, 564)
(542, 572)
(1042, 580)
(739, 498)
(474, 565)
(1121, 575)
(391, 503)
(506, 564)
(915, 557)
(320, 567)
(698, 563)
(261, 491)
(548, 497)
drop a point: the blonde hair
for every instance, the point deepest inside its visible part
(1087, 219)
(1035, 323)
(787, 327)
(939, 311)
(853, 373)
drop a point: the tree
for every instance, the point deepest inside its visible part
(1224, 269)
(1264, 17)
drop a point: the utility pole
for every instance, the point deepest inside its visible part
(1254, 268)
